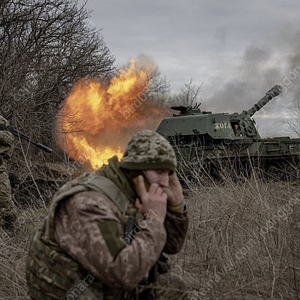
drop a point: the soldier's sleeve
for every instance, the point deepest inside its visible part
(176, 224)
(88, 227)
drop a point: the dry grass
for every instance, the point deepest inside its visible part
(13, 252)
(243, 243)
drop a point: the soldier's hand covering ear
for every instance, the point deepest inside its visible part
(174, 191)
(153, 202)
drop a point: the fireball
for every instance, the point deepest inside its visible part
(97, 119)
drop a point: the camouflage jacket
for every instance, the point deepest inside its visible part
(6, 139)
(79, 232)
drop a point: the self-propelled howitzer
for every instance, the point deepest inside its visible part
(204, 139)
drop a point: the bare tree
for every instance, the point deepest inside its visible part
(188, 96)
(158, 87)
(45, 46)
(158, 84)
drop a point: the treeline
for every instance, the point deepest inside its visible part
(45, 47)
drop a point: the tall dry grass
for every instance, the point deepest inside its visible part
(13, 252)
(243, 242)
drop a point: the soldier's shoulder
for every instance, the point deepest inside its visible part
(92, 201)
(88, 197)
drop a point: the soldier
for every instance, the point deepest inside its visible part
(7, 208)
(106, 232)
(237, 130)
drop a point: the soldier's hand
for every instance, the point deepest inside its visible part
(153, 202)
(174, 191)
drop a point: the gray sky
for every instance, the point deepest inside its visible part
(236, 49)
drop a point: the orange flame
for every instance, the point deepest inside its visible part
(97, 120)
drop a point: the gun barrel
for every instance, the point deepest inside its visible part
(17, 133)
(43, 147)
(273, 92)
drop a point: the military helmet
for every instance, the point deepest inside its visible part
(148, 150)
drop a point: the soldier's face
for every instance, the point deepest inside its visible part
(161, 177)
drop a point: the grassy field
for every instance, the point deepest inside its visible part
(243, 242)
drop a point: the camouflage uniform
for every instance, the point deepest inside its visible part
(6, 203)
(83, 236)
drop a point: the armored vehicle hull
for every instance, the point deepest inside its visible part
(207, 143)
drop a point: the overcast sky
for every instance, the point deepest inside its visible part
(236, 49)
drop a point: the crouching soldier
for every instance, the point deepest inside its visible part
(7, 207)
(106, 232)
